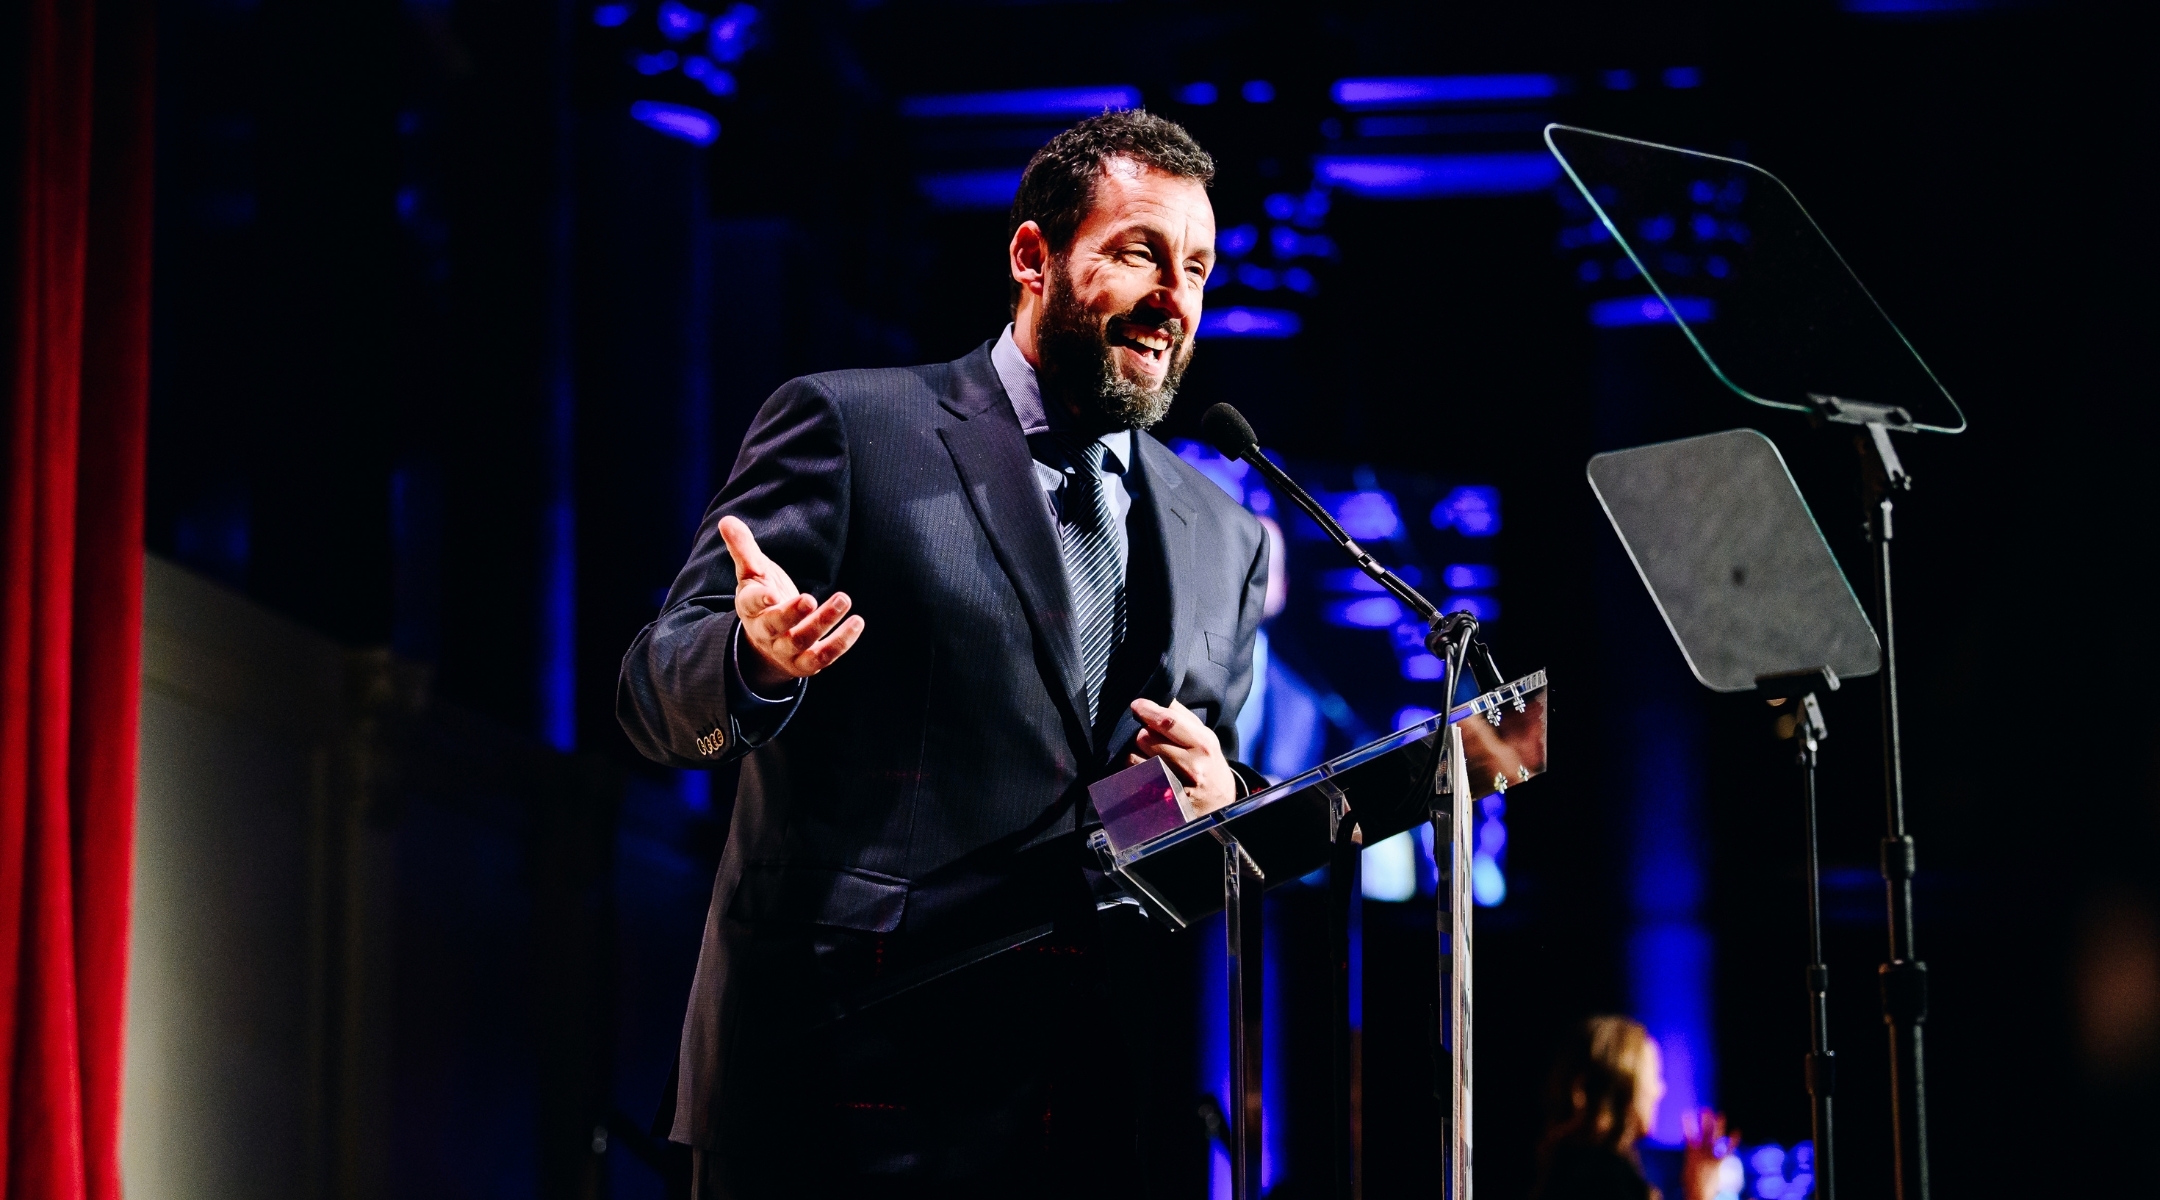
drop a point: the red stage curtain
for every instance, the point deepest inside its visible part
(71, 588)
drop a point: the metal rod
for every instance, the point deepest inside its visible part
(1451, 823)
(1244, 934)
(1904, 977)
(1344, 902)
(1459, 906)
(1821, 1064)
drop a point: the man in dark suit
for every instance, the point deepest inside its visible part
(1046, 594)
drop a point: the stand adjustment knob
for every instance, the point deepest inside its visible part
(1904, 992)
(1822, 1074)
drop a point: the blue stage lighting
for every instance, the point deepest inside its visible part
(1649, 310)
(678, 22)
(1373, 612)
(1484, 608)
(1036, 102)
(1488, 887)
(732, 33)
(610, 16)
(1199, 95)
(1619, 81)
(1470, 575)
(1237, 240)
(1299, 280)
(1470, 511)
(1907, 8)
(1419, 91)
(1433, 176)
(1250, 323)
(991, 188)
(1389, 868)
(1423, 667)
(717, 80)
(1367, 515)
(659, 63)
(1683, 77)
(1257, 91)
(1256, 277)
(677, 121)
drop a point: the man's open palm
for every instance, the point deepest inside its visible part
(792, 635)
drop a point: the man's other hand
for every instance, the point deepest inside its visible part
(1175, 735)
(791, 635)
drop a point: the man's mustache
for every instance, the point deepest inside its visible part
(1170, 325)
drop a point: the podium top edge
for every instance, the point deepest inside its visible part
(1209, 824)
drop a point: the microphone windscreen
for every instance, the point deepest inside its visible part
(1225, 429)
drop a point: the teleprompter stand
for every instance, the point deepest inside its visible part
(1904, 978)
(1781, 320)
(1182, 870)
(1743, 578)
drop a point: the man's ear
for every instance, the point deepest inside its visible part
(1029, 256)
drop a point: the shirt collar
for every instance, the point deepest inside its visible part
(1025, 392)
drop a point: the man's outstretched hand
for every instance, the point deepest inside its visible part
(1177, 736)
(791, 635)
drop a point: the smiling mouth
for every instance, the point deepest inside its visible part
(1153, 344)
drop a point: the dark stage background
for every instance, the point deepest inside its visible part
(451, 350)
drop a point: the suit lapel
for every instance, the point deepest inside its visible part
(991, 455)
(1169, 520)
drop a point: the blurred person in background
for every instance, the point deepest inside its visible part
(1607, 1081)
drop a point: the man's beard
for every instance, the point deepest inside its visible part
(1079, 366)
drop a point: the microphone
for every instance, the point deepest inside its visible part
(1226, 429)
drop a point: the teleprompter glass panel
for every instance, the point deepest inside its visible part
(1749, 277)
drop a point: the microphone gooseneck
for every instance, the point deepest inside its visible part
(1226, 429)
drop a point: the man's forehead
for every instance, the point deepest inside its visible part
(1136, 188)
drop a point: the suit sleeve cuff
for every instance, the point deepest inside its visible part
(757, 719)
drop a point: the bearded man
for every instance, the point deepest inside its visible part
(931, 606)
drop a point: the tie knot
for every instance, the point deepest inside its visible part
(1083, 451)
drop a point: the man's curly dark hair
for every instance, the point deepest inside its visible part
(1059, 183)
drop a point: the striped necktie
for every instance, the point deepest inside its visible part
(1095, 574)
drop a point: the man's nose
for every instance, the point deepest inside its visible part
(1179, 298)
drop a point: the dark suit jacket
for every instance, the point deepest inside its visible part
(952, 730)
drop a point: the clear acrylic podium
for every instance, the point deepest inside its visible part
(1181, 871)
